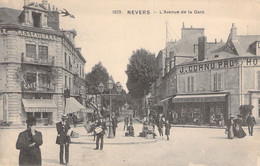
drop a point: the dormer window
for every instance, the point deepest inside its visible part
(36, 19)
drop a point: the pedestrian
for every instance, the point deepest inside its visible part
(114, 123)
(131, 119)
(250, 122)
(167, 128)
(130, 130)
(160, 126)
(100, 131)
(230, 127)
(221, 119)
(126, 123)
(74, 119)
(29, 142)
(63, 138)
(239, 132)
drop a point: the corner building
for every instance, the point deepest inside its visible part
(217, 79)
(38, 61)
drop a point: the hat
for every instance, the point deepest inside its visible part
(64, 116)
(238, 115)
(231, 116)
(31, 120)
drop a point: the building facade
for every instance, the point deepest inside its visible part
(217, 79)
(38, 61)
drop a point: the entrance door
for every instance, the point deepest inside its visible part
(207, 114)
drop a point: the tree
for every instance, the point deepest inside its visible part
(97, 75)
(142, 71)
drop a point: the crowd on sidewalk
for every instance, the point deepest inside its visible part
(30, 140)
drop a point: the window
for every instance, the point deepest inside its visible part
(36, 19)
(190, 84)
(30, 81)
(258, 108)
(65, 57)
(69, 83)
(258, 80)
(37, 114)
(44, 80)
(30, 50)
(45, 115)
(43, 52)
(218, 81)
(70, 65)
(66, 85)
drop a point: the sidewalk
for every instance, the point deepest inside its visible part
(120, 139)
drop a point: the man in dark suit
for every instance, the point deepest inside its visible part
(100, 133)
(114, 123)
(250, 122)
(29, 142)
(63, 138)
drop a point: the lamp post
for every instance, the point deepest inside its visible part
(119, 89)
(101, 89)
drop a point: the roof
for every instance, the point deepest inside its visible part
(9, 16)
(244, 43)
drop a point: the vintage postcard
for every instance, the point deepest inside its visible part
(130, 82)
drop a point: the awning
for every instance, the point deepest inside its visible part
(72, 105)
(39, 105)
(199, 98)
(165, 99)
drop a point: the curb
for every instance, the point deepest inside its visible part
(119, 143)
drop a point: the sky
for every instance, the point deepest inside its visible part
(111, 38)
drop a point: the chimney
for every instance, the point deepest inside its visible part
(216, 41)
(26, 2)
(45, 3)
(202, 40)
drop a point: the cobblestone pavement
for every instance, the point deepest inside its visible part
(186, 147)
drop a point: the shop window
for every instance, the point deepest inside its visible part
(29, 114)
(30, 50)
(190, 84)
(218, 81)
(37, 114)
(43, 52)
(45, 115)
(44, 81)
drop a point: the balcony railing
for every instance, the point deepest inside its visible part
(33, 87)
(38, 61)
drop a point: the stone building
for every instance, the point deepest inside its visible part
(38, 61)
(217, 79)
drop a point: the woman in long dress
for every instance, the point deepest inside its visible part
(239, 132)
(230, 127)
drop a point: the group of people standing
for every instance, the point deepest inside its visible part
(234, 126)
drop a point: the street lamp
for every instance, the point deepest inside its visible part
(119, 89)
(101, 89)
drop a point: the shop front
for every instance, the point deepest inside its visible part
(74, 107)
(211, 109)
(42, 109)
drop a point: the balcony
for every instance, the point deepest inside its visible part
(33, 87)
(37, 61)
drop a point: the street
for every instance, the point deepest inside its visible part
(186, 147)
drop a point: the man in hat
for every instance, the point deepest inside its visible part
(250, 122)
(29, 142)
(63, 138)
(114, 123)
(100, 131)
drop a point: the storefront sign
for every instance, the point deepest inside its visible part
(221, 64)
(36, 35)
(36, 109)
